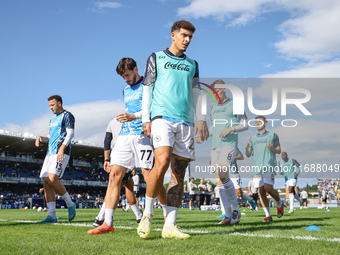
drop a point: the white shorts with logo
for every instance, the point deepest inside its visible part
(132, 151)
(291, 182)
(51, 165)
(260, 179)
(236, 179)
(223, 156)
(176, 135)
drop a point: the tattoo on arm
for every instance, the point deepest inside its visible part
(175, 188)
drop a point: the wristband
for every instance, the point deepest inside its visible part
(107, 159)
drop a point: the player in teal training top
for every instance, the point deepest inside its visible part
(290, 169)
(224, 129)
(263, 148)
(168, 103)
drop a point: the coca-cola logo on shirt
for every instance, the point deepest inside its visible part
(180, 67)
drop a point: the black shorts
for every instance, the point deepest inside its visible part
(126, 177)
(304, 200)
(324, 200)
(136, 193)
(255, 196)
(192, 197)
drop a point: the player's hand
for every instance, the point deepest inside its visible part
(198, 139)
(246, 146)
(125, 117)
(225, 132)
(60, 156)
(202, 128)
(38, 141)
(107, 166)
(147, 129)
(270, 146)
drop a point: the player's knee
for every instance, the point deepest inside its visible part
(52, 180)
(162, 163)
(268, 188)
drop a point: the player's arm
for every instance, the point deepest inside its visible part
(126, 117)
(107, 148)
(69, 123)
(148, 86)
(297, 168)
(241, 127)
(249, 188)
(274, 145)
(41, 139)
(239, 155)
(248, 148)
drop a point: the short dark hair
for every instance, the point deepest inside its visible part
(217, 82)
(56, 97)
(124, 63)
(261, 117)
(183, 24)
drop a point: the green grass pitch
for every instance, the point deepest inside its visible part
(20, 235)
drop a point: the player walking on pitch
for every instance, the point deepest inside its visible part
(290, 169)
(168, 88)
(132, 148)
(262, 147)
(111, 136)
(58, 154)
(223, 151)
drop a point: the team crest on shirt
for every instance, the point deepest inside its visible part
(158, 138)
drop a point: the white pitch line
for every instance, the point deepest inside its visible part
(307, 238)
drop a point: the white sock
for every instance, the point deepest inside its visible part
(230, 190)
(222, 206)
(136, 211)
(127, 207)
(164, 210)
(51, 209)
(171, 216)
(149, 202)
(267, 211)
(298, 198)
(67, 199)
(279, 203)
(101, 213)
(109, 216)
(245, 196)
(225, 201)
(291, 201)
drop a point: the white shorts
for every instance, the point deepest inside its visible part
(223, 156)
(260, 179)
(236, 179)
(291, 183)
(51, 166)
(176, 135)
(132, 151)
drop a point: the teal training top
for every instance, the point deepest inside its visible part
(264, 160)
(172, 93)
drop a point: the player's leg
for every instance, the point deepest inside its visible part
(153, 188)
(291, 199)
(174, 197)
(259, 183)
(117, 173)
(49, 191)
(225, 204)
(269, 180)
(50, 202)
(99, 220)
(131, 199)
(162, 193)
